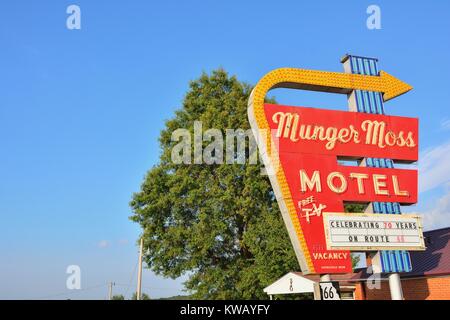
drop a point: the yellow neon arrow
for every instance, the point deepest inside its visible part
(335, 82)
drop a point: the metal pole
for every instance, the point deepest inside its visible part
(325, 278)
(366, 106)
(395, 285)
(110, 290)
(139, 280)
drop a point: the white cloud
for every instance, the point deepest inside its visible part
(438, 216)
(103, 244)
(106, 243)
(434, 172)
(445, 124)
(434, 167)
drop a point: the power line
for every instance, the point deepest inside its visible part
(131, 278)
(71, 292)
(149, 288)
(99, 286)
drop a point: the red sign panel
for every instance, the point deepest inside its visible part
(311, 141)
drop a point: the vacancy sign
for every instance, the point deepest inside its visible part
(373, 232)
(301, 148)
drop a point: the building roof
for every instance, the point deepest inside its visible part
(296, 282)
(292, 282)
(434, 261)
(343, 279)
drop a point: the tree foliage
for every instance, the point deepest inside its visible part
(355, 208)
(144, 296)
(219, 224)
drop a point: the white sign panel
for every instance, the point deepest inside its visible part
(330, 290)
(373, 232)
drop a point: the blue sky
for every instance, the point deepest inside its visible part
(81, 111)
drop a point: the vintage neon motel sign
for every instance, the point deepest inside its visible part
(301, 146)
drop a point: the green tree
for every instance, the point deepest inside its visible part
(220, 224)
(118, 297)
(355, 208)
(144, 296)
(355, 260)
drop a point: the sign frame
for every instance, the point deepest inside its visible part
(376, 216)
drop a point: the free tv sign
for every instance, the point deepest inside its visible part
(301, 147)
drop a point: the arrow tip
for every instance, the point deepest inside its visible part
(394, 87)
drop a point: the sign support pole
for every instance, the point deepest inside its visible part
(325, 277)
(395, 286)
(317, 295)
(369, 105)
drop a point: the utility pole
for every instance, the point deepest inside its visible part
(110, 285)
(139, 280)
